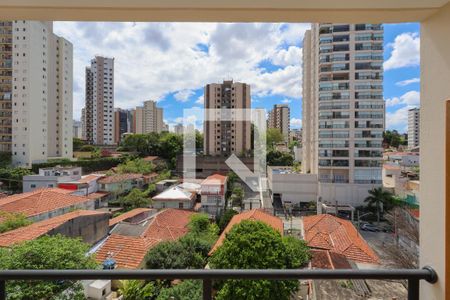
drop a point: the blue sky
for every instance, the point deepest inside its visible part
(171, 62)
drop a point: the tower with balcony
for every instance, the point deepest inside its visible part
(343, 105)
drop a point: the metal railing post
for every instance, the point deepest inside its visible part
(207, 289)
(2, 290)
(413, 289)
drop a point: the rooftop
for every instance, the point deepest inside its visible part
(174, 194)
(89, 178)
(325, 259)
(328, 232)
(254, 215)
(127, 215)
(119, 178)
(129, 251)
(41, 228)
(40, 201)
(215, 179)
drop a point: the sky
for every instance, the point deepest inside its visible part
(172, 62)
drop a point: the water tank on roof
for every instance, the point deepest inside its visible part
(109, 264)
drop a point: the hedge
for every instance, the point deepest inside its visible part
(88, 165)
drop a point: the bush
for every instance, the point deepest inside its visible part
(12, 221)
(188, 289)
(88, 165)
(87, 148)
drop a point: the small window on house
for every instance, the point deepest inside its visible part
(180, 205)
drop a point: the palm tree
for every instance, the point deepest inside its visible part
(378, 198)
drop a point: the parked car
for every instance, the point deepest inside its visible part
(369, 227)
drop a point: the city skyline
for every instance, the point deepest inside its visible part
(174, 61)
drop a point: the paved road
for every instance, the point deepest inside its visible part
(378, 241)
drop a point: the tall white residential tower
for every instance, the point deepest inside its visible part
(413, 127)
(343, 109)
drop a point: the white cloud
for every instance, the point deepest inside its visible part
(286, 57)
(407, 81)
(398, 119)
(411, 98)
(296, 123)
(286, 101)
(153, 60)
(405, 51)
(183, 95)
(200, 100)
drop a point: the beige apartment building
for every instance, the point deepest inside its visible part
(99, 105)
(229, 136)
(279, 117)
(149, 118)
(36, 70)
(413, 127)
(343, 108)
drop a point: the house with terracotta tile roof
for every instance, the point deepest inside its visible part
(253, 215)
(213, 191)
(91, 226)
(42, 204)
(129, 250)
(121, 183)
(133, 216)
(174, 197)
(327, 232)
(326, 259)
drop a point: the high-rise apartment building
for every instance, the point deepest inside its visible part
(413, 127)
(6, 45)
(223, 137)
(343, 106)
(178, 129)
(149, 118)
(40, 73)
(100, 101)
(77, 129)
(122, 123)
(279, 117)
(83, 123)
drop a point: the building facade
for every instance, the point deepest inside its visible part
(122, 123)
(343, 106)
(149, 118)
(413, 127)
(6, 40)
(229, 136)
(99, 107)
(40, 97)
(279, 117)
(178, 129)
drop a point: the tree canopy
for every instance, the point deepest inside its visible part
(136, 289)
(48, 252)
(188, 289)
(256, 245)
(190, 251)
(273, 137)
(135, 199)
(394, 139)
(379, 198)
(277, 158)
(137, 165)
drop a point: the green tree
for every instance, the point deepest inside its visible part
(136, 289)
(190, 251)
(77, 144)
(379, 198)
(186, 290)
(237, 196)
(48, 252)
(277, 158)
(293, 144)
(171, 147)
(12, 221)
(225, 218)
(273, 252)
(87, 148)
(135, 199)
(12, 177)
(273, 137)
(198, 140)
(137, 165)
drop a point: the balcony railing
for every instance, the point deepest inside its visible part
(207, 276)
